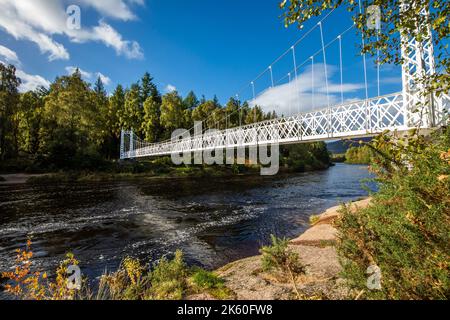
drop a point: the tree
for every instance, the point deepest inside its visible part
(151, 126)
(116, 111)
(149, 89)
(9, 102)
(254, 115)
(101, 108)
(233, 113)
(113, 124)
(70, 121)
(133, 115)
(204, 112)
(191, 102)
(409, 22)
(172, 112)
(31, 108)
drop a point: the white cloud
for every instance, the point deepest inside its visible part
(28, 82)
(31, 82)
(39, 20)
(391, 80)
(111, 38)
(85, 74)
(288, 99)
(114, 8)
(106, 80)
(9, 55)
(89, 76)
(171, 88)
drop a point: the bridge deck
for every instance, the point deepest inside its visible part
(351, 120)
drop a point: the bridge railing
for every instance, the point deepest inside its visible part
(355, 118)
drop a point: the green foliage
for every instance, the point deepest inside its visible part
(314, 219)
(338, 158)
(387, 41)
(305, 157)
(151, 125)
(9, 105)
(359, 155)
(172, 112)
(204, 112)
(133, 109)
(74, 127)
(278, 257)
(191, 102)
(406, 230)
(168, 279)
(206, 279)
(30, 121)
(254, 115)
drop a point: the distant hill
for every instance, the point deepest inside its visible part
(341, 146)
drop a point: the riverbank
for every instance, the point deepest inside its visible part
(316, 250)
(18, 178)
(167, 173)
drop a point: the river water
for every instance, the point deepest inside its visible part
(214, 221)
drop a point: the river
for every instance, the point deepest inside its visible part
(214, 221)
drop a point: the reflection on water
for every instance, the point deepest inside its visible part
(213, 220)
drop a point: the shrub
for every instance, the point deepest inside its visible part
(168, 279)
(406, 230)
(278, 257)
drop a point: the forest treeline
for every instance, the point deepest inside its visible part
(76, 125)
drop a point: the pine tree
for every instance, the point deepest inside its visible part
(149, 89)
(191, 102)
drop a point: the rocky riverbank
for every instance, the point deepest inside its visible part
(316, 249)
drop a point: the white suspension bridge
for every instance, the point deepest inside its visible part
(367, 117)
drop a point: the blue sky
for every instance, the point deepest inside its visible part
(209, 46)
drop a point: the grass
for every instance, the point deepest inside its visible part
(207, 281)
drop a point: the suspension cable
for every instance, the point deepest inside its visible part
(296, 77)
(364, 56)
(296, 68)
(312, 84)
(378, 64)
(341, 67)
(271, 76)
(325, 63)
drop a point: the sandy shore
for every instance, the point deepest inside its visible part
(316, 249)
